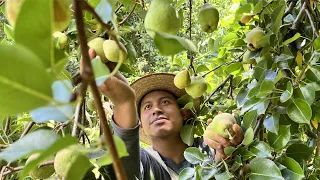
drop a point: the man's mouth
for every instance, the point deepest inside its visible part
(158, 119)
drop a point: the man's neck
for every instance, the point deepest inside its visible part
(172, 148)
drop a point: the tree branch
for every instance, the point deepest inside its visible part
(27, 129)
(225, 64)
(190, 36)
(216, 90)
(318, 143)
(76, 118)
(291, 6)
(88, 76)
(300, 75)
(315, 31)
(300, 16)
(126, 18)
(12, 170)
(260, 121)
(7, 126)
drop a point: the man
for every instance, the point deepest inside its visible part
(153, 100)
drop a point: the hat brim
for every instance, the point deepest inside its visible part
(152, 82)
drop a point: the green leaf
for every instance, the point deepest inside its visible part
(286, 95)
(229, 37)
(266, 88)
(288, 41)
(193, 155)
(34, 30)
(250, 119)
(186, 173)
(34, 141)
(306, 92)
(208, 172)
(278, 141)
(264, 169)
(187, 134)
(299, 152)
(242, 97)
(248, 136)
(104, 10)
(293, 170)
(249, 104)
(245, 154)
(261, 149)
(237, 163)
(79, 168)
(229, 150)
(316, 43)
(234, 69)
(121, 149)
(202, 68)
(9, 31)
(258, 7)
(169, 44)
(276, 18)
(24, 83)
(57, 146)
(223, 176)
(246, 8)
(271, 123)
(300, 111)
(101, 71)
(313, 73)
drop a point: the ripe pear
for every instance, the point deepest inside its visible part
(65, 159)
(43, 172)
(60, 40)
(182, 79)
(208, 18)
(197, 87)
(62, 13)
(246, 18)
(112, 51)
(162, 17)
(246, 58)
(221, 125)
(97, 45)
(253, 37)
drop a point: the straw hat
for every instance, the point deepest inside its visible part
(156, 81)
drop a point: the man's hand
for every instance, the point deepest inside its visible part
(120, 93)
(220, 142)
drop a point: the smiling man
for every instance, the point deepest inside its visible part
(149, 106)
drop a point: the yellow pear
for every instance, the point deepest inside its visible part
(182, 79)
(62, 13)
(208, 18)
(197, 87)
(97, 45)
(246, 18)
(112, 51)
(162, 17)
(43, 172)
(253, 37)
(221, 125)
(60, 40)
(246, 59)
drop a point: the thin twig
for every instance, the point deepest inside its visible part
(300, 16)
(318, 143)
(315, 31)
(260, 121)
(300, 75)
(7, 126)
(190, 37)
(131, 12)
(230, 90)
(27, 129)
(291, 6)
(225, 64)
(12, 170)
(76, 118)
(89, 77)
(216, 90)
(118, 8)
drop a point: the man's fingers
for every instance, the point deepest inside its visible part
(214, 145)
(238, 137)
(209, 121)
(221, 140)
(92, 53)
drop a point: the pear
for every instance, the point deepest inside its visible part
(91, 105)
(60, 40)
(253, 37)
(112, 51)
(246, 58)
(221, 125)
(61, 16)
(208, 18)
(43, 172)
(197, 87)
(246, 18)
(182, 79)
(97, 45)
(161, 17)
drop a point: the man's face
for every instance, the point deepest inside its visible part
(160, 115)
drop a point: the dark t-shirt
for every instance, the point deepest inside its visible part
(151, 168)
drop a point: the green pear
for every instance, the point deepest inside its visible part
(161, 17)
(221, 125)
(246, 59)
(182, 79)
(42, 172)
(113, 52)
(60, 40)
(197, 87)
(91, 105)
(246, 18)
(97, 45)
(253, 37)
(208, 18)
(61, 16)
(66, 158)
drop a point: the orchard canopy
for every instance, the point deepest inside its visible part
(255, 59)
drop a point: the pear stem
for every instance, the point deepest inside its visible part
(230, 136)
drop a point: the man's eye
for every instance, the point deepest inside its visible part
(147, 107)
(165, 101)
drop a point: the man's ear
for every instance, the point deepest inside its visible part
(186, 114)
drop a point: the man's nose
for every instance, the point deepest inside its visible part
(157, 110)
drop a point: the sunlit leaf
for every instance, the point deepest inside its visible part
(264, 169)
